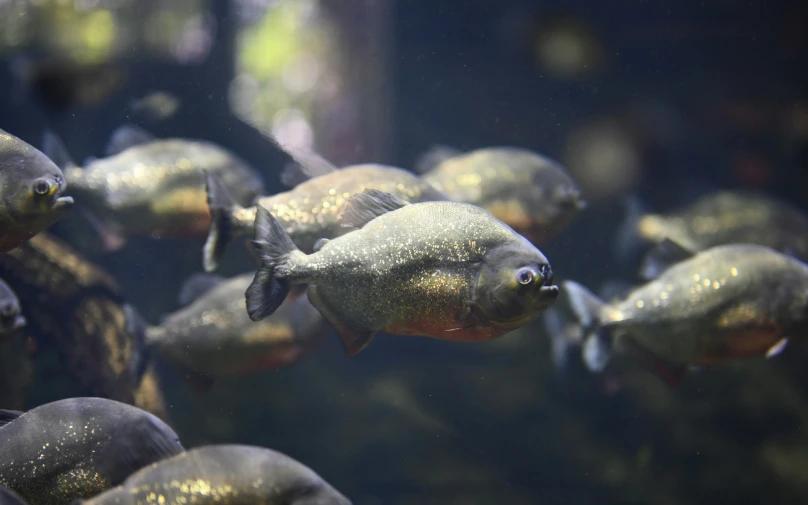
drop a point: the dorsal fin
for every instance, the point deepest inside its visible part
(197, 285)
(434, 156)
(127, 136)
(308, 164)
(54, 148)
(661, 257)
(6, 416)
(366, 206)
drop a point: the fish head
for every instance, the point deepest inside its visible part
(515, 284)
(556, 199)
(32, 185)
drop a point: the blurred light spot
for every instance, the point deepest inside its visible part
(603, 159)
(290, 128)
(195, 40)
(301, 74)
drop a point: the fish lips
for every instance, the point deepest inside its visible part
(61, 203)
(548, 294)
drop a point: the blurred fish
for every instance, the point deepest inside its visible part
(213, 336)
(565, 45)
(723, 303)
(440, 269)
(75, 308)
(31, 189)
(151, 187)
(309, 211)
(62, 84)
(724, 217)
(224, 475)
(9, 497)
(529, 192)
(78, 447)
(156, 106)
(11, 317)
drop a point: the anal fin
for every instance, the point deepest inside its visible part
(353, 340)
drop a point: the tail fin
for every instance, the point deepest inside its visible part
(221, 205)
(628, 244)
(270, 287)
(137, 327)
(596, 349)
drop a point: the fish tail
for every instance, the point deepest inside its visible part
(220, 234)
(587, 307)
(628, 243)
(275, 249)
(138, 328)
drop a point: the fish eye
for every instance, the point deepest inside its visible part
(547, 273)
(42, 187)
(8, 309)
(524, 276)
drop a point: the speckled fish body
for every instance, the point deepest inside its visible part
(31, 188)
(76, 309)
(158, 189)
(215, 337)
(224, 475)
(728, 217)
(439, 269)
(531, 193)
(725, 302)
(79, 447)
(309, 211)
(11, 317)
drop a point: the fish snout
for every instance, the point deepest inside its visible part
(569, 197)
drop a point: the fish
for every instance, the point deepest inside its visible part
(309, 211)
(445, 270)
(224, 475)
(531, 193)
(213, 336)
(9, 497)
(78, 447)
(157, 105)
(31, 188)
(152, 187)
(724, 303)
(76, 310)
(11, 317)
(719, 218)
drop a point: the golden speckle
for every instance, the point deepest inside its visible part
(640, 304)
(733, 272)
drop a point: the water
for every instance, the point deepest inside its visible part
(662, 100)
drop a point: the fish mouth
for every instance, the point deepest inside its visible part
(59, 202)
(548, 294)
